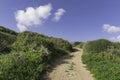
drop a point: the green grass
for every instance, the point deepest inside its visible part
(105, 64)
(29, 55)
(6, 40)
(78, 44)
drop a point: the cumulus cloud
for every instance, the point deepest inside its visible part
(58, 14)
(110, 28)
(116, 39)
(32, 16)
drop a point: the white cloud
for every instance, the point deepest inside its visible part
(32, 16)
(116, 39)
(58, 14)
(111, 29)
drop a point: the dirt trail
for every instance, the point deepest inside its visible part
(69, 67)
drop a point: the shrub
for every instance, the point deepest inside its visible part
(31, 54)
(22, 66)
(106, 64)
(6, 40)
(97, 45)
(78, 44)
(61, 44)
(5, 30)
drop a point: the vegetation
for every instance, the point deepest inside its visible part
(29, 54)
(97, 46)
(26, 55)
(103, 59)
(5, 30)
(78, 44)
(61, 44)
(7, 38)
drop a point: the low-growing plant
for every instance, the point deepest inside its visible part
(30, 54)
(104, 64)
(97, 45)
(78, 44)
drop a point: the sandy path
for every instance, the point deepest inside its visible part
(70, 67)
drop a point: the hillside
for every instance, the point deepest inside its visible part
(7, 37)
(6, 30)
(26, 55)
(103, 59)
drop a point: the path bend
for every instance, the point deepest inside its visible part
(69, 67)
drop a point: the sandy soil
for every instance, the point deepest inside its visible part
(69, 67)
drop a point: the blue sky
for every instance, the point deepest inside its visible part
(77, 20)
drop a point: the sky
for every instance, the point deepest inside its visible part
(73, 20)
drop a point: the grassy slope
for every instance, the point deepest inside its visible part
(104, 63)
(7, 37)
(30, 54)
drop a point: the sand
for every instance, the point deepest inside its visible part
(69, 67)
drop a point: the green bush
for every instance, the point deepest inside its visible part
(22, 66)
(31, 42)
(97, 45)
(61, 44)
(31, 54)
(78, 44)
(103, 61)
(6, 40)
(5, 30)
